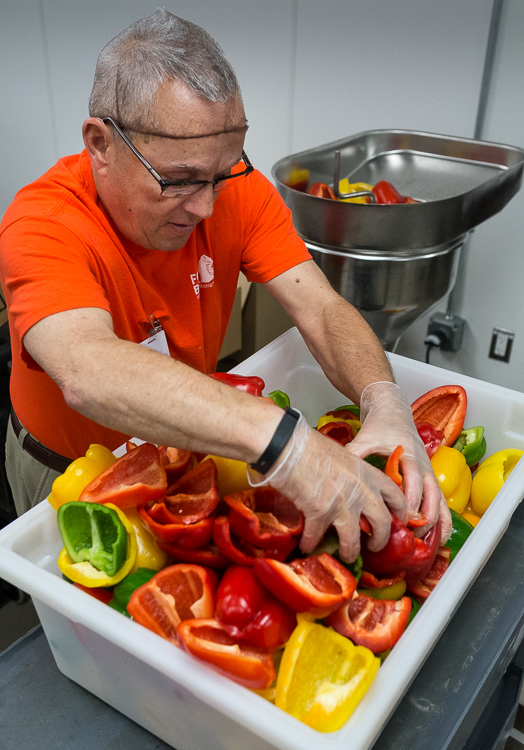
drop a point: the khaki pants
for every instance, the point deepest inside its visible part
(30, 481)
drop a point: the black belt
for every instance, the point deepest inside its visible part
(37, 450)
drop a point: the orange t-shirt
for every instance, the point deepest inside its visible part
(59, 251)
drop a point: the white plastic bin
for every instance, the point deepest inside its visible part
(184, 702)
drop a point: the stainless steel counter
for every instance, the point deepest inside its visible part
(464, 697)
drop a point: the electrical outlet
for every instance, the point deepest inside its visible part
(501, 344)
(449, 328)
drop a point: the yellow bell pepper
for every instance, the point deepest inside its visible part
(453, 475)
(86, 574)
(323, 676)
(490, 476)
(69, 485)
(231, 475)
(344, 186)
(148, 553)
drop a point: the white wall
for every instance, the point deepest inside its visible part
(311, 73)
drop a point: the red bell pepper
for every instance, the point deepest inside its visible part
(103, 595)
(179, 592)
(431, 437)
(207, 555)
(176, 461)
(239, 596)
(444, 408)
(191, 498)
(263, 516)
(317, 584)
(248, 383)
(403, 552)
(339, 431)
(136, 478)
(241, 661)
(242, 552)
(385, 192)
(376, 624)
(188, 536)
(423, 588)
(248, 611)
(392, 469)
(369, 581)
(321, 190)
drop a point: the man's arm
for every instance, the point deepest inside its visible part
(354, 361)
(337, 335)
(137, 391)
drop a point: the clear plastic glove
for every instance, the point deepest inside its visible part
(332, 487)
(387, 421)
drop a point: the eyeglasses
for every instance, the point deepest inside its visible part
(174, 188)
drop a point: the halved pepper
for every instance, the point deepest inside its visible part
(176, 461)
(374, 623)
(263, 516)
(490, 476)
(93, 533)
(98, 535)
(188, 536)
(191, 498)
(472, 444)
(179, 592)
(317, 584)
(453, 475)
(148, 553)
(135, 478)
(403, 552)
(185, 516)
(423, 588)
(444, 408)
(69, 485)
(242, 552)
(241, 661)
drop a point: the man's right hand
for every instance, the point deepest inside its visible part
(333, 487)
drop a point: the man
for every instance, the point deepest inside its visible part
(105, 250)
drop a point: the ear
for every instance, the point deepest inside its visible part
(97, 138)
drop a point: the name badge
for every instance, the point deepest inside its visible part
(157, 342)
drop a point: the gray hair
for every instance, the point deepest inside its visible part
(131, 67)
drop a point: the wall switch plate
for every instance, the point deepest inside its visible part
(501, 344)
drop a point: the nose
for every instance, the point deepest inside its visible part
(201, 203)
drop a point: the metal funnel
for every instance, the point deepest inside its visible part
(395, 262)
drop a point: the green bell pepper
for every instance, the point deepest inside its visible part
(123, 590)
(280, 399)
(93, 533)
(462, 528)
(472, 444)
(415, 607)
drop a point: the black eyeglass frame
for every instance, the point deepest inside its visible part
(164, 184)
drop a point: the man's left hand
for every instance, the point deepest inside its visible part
(387, 422)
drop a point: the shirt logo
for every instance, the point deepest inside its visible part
(206, 272)
(205, 275)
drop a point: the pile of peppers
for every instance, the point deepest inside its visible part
(383, 193)
(180, 543)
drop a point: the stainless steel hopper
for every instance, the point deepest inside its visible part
(395, 262)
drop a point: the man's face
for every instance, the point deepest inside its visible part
(132, 196)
